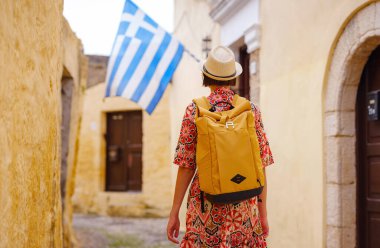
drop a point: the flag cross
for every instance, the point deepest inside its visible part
(135, 22)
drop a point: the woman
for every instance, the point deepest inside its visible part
(242, 224)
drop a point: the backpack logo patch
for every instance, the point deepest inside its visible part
(238, 178)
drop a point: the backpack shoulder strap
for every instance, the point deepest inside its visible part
(201, 103)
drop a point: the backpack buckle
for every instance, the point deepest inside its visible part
(230, 123)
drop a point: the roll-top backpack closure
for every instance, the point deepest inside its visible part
(240, 105)
(228, 152)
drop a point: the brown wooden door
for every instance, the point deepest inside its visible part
(124, 151)
(368, 162)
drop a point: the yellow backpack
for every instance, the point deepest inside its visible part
(228, 153)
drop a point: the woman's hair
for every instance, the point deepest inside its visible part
(207, 81)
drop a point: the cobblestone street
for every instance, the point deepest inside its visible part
(116, 232)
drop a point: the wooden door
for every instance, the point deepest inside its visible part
(368, 159)
(124, 151)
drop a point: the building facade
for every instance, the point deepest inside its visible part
(123, 154)
(42, 73)
(312, 66)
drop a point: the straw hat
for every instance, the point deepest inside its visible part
(221, 65)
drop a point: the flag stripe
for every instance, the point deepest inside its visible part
(165, 80)
(146, 37)
(124, 64)
(144, 64)
(115, 65)
(150, 21)
(130, 7)
(160, 71)
(152, 68)
(123, 28)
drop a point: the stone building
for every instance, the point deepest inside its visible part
(43, 74)
(313, 68)
(123, 164)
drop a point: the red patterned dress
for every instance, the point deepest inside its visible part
(221, 225)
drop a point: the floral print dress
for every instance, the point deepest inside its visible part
(220, 225)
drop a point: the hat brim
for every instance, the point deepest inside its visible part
(238, 70)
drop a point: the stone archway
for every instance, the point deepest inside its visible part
(359, 36)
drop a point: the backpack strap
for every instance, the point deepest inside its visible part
(201, 104)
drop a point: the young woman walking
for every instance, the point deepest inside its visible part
(241, 224)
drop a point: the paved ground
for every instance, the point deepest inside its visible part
(116, 232)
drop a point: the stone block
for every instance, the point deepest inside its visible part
(348, 196)
(333, 236)
(346, 123)
(340, 159)
(349, 237)
(347, 149)
(332, 160)
(340, 123)
(333, 90)
(348, 171)
(334, 215)
(331, 123)
(349, 37)
(377, 15)
(366, 19)
(352, 32)
(348, 98)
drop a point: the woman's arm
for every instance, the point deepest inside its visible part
(263, 208)
(184, 177)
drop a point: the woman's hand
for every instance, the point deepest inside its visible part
(264, 226)
(172, 229)
(184, 177)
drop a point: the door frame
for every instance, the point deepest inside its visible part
(355, 41)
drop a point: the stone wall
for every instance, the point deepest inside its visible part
(90, 195)
(97, 65)
(36, 44)
(75, 65)
(30, 75)
(359, 36)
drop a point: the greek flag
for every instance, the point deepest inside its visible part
(143, 59)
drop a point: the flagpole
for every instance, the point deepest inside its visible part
(192, 55)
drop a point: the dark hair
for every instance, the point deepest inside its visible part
(210, 81)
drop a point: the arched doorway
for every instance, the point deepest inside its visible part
(359, 37)
(368, 153)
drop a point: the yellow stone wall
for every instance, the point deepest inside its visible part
(90, 195)
(75, 65)
(32, 40)
(30, 74)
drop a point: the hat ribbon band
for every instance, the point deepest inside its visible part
(233, 74)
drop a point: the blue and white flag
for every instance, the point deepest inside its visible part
(143, 59)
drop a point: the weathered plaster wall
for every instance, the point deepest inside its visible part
(296, 40)
(75, 66)
(90, 195)
(30, 75)
(36, 43)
